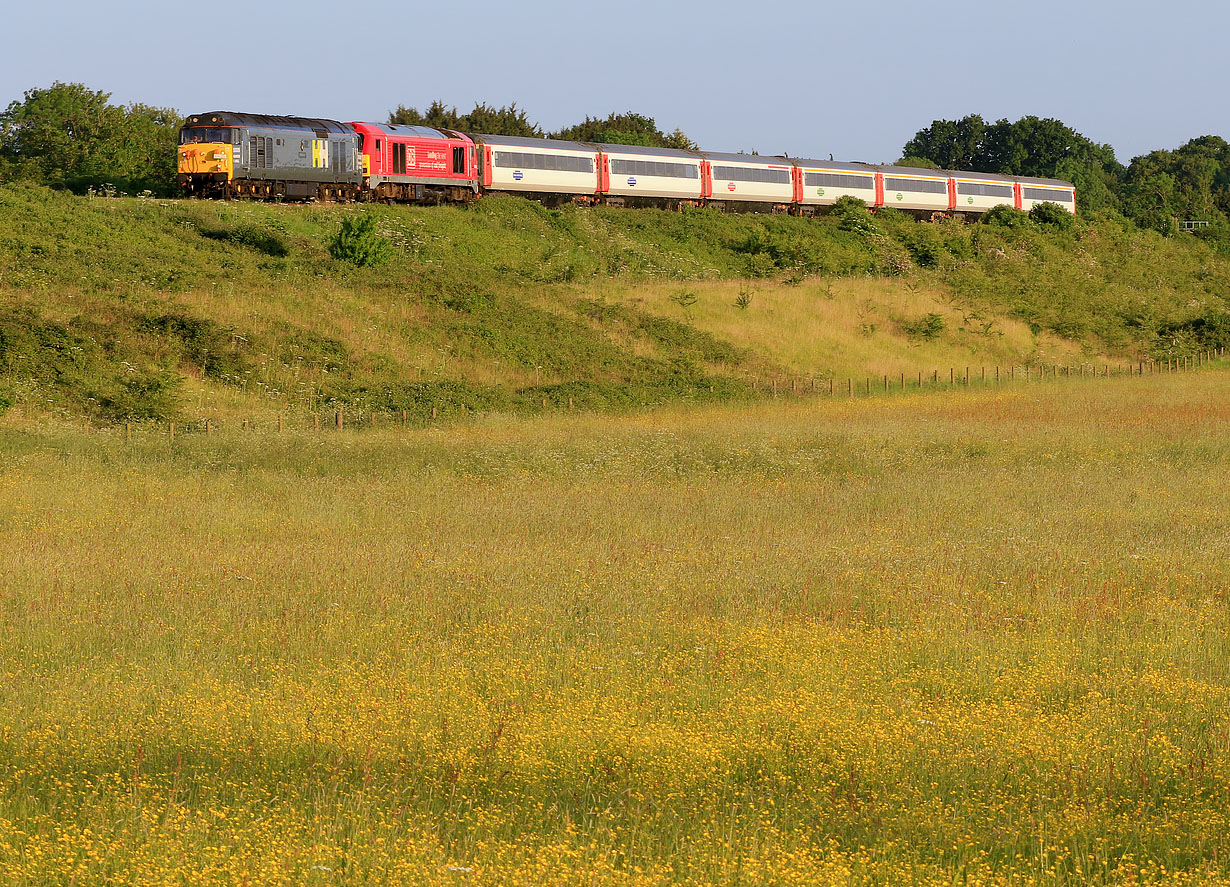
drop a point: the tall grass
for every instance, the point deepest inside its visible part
(954, 637)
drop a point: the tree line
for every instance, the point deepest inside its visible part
(69, 136)
(1191, 182)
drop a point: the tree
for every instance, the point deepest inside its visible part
(1195, 179)
(629, 128)
(1032, 146)
(950, 144)
(71, 136)
(504, 121)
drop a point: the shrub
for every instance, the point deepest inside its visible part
(924, 246)
(853, 215)
(268, 242)
(1052, 215)
(359, 243)
(1005, 216)
(926, 328)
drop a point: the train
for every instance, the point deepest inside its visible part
(225, 154)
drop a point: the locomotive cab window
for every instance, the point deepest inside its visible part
(459, 160)
(193, 134)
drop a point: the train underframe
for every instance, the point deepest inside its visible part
(216, 185)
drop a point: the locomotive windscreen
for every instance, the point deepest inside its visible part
(191, 134)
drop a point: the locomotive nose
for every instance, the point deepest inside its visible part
(205, 157)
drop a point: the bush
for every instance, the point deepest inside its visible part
(1005, 216)
(927, 327)
(924, 245)
(268, 242)
(853, 215)
(1052, 215)
(359, 244)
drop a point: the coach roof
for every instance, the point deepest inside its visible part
(541, 144)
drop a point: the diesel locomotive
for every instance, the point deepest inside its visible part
(229, 155)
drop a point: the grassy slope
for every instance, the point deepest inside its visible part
(144, 309)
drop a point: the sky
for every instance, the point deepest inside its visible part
(855, 80)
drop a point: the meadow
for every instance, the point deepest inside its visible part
(975, 637)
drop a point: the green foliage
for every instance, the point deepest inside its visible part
(924, 245)
(359, 243)
(1191, 182)
(926, 328)
(71, 136)
(134, 302)
(684, 299)
(743, 301)
(1032, 146)
(625, 129)
(217, 352)
(917, 163)
(259, 238)
(1005, 216)
(505, 121)
(74, 367)
(1207, 330)
(853, 215)
(1052, 215)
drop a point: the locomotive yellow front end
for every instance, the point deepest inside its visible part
(206, 158)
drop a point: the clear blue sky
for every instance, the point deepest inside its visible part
(856, 80)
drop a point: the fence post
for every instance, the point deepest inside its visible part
(172, 431)
(279, 423)
(315, 421)
(127, 432)
(339, 420)
(433, 414)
